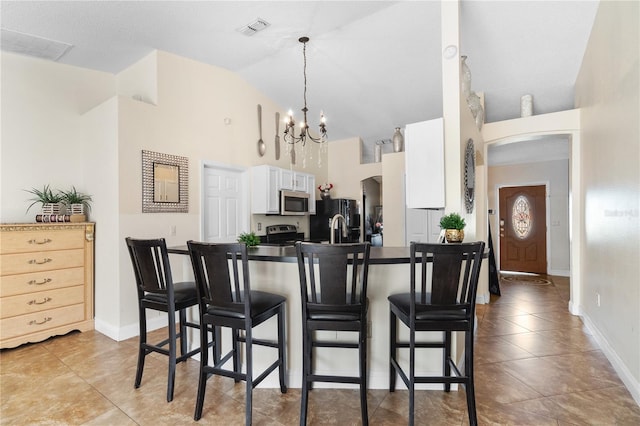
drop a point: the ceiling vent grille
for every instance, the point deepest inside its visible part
(250, 29)
(27, 44)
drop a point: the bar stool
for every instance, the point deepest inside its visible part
(442, 299)
(333, 300)
(225, 301)
(157, 291)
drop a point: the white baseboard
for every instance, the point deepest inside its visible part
(574, 308)
(123, 333)
(559, 272)
(483, 298)
(632, 384)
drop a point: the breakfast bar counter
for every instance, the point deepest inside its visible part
(274, 269)
(378, 255)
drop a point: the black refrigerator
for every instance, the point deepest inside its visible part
(325, 210)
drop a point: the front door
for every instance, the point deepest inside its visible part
(523, 229)
(224, 206)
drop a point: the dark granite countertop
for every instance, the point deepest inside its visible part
(378, 255)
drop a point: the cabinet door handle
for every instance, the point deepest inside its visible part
(44, 281)
(34, 261)
(34, 302)
(45, 241)
(35, 322)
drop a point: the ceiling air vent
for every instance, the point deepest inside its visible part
(27, 44)
(250, 29)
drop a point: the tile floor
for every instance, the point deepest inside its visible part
(535, 365)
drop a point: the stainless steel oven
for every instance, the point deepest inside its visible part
(294, 203)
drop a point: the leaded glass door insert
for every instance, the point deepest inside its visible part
(521, 219)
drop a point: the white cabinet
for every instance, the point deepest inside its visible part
(269, 180)
(424, 159)
(423, 225)
(294, 181)
(286, 179)
(265, 190)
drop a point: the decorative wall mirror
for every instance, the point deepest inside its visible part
(469, 176)
(165, 183)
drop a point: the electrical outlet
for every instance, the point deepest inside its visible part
(172, 230)
(259, 226)
(598, 299)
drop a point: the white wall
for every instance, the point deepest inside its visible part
(608, 95)
(556, 175)
(68, 126)
(41, 141)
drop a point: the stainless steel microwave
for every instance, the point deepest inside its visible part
(294, 203)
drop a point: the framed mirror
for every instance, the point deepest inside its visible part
(165, 183)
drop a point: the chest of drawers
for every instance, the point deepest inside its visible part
(46, 281)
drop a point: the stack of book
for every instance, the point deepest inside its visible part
(50, 218)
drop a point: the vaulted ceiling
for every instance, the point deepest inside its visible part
(371, 65)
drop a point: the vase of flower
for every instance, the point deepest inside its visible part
(324, 190)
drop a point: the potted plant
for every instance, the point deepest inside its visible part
(51, 201)
(453, 226)
(76, 202)
(249, 238)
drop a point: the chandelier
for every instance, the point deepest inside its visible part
(289, 131)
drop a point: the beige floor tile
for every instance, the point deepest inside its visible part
(535, 365)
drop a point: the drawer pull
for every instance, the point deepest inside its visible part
(45, 241)
(34, 322)
(44, 281)
(34, 302)
(35, 262)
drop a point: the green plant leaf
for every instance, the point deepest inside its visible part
(44, 196)
(75, 197)
(452, 221)
(249, 238)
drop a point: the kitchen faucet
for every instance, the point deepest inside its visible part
(335, 219)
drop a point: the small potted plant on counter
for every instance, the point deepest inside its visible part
(249, 238)
(453, 226)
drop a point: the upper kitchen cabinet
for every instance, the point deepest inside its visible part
(424, 159)
(286, 179)
(295, 181)
(265, 190)
(268, 181)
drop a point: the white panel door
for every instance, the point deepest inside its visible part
(223, 204)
